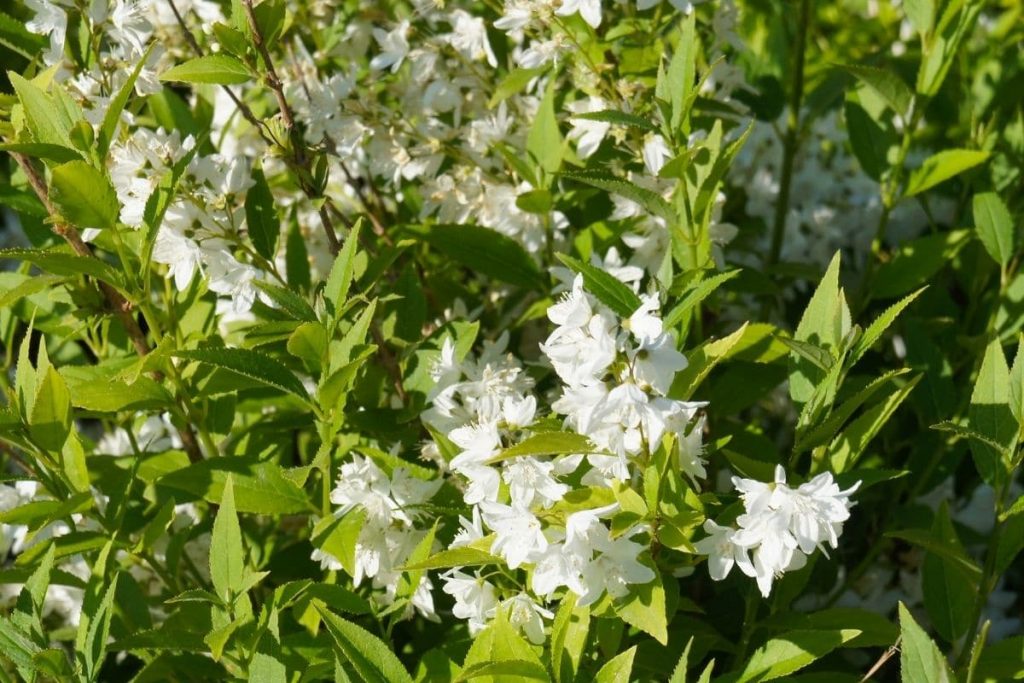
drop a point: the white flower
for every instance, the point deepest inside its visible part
(645, 323)
(540, 53)
(722, 553)
(50, 19)
(590, 10)
(656, 362)
(472, 530)
(615, 570)
(655, 153)
(182, 256)
(394, 46)
(475, 598)
(519, 413)
(691, 449)
(518, 535)
(469, 36)
(529, 480)
(527, 616)
(228, 276)
(588, 133)
(573, 310)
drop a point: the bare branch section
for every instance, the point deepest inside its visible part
(120, 306)
(296, 145)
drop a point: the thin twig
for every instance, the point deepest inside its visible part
(297, 145)
(886, 656)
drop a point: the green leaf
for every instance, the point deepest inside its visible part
(791, 652)
(949, 592)
(98, 392)
(259, 487)
(679, 672)
(921, 14)
(682, 71)
(917, 261)
(91, 644)
(517, 669)
(17, 38)
(617, 669)
(338, 537)
(500, 643)
(875, 630)
(49, 123)
(371, 658)
(701, 291)
(851, 443)
(464, 556)
(266, 669)
(990, 415)
(1002, 661)
(886, 84)
(920, 659)
(869, 140)
(652, 202)
(925, 539)
(250, 364)
(59, 261)
(826, 430)
(995, 227)
(513, 83)
(619, 118)
(702, 361)
(219, 69)
(644, 608)
(288, 301)
(227, 561)
(955, 24)
(824, 323)
(547, 443)
(544, 141)
(42, 150)
(485, 251)
(261, 217)
(875, 330)
(339, 280)
(942, 166)
(568, 638)
(535, 201)
(606, 287)
(49, 420)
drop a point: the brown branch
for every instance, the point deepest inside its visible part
(120, 306)
(296, 144)
(885, 657)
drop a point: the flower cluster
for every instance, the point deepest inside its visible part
(391, 504)
(780, 527)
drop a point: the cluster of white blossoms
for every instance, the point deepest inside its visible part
(615, 374)
(392, 504)
(204, 221)
(780, 527)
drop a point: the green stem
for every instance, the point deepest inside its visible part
(988, 576)
(790, 142)
(749, 621)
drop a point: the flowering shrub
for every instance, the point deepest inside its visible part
(553, 340)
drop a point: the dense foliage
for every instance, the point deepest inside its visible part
(556, 340)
